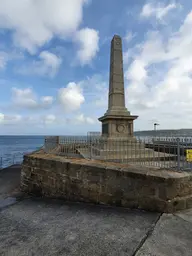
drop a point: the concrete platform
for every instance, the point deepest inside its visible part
(147, 155)
(171, 236)
(32, 226)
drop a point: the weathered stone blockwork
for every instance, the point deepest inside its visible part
(106, 183)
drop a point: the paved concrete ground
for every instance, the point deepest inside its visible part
(9, 180)
(30, 226)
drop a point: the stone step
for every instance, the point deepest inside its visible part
(119, 147)
(123, 151)
(142, 155)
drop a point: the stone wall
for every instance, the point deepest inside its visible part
(106, 183)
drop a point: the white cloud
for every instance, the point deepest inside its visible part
(48, 64)
(47, 100)
(51, 62)
(9, 119)
(19, 120)
(26, 98)
(137, 71)
(160, 77)
(129, 36)
(71, 97)
(49, 119)
(88, 40)
(3, 60)
(6, 56)
(44, 124)
(96, 90)
(157, 10)
(57, 118)
(34, 23)
(82, 119)
(2, 116)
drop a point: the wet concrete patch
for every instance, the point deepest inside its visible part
(7, 202)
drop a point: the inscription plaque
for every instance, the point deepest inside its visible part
(120, 128)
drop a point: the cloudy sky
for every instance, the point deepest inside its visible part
(54, 63)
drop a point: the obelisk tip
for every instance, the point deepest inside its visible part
(116, 36)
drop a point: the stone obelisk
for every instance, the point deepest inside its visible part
(117, 121)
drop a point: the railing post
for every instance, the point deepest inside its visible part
(90, 147)
(178, 155)
(57, 140)
(1, 162)
(45, 144)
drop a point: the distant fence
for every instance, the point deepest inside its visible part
(168, 153)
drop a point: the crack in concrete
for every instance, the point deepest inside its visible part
(147, 235)
(178, 216)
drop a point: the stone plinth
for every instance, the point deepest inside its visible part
(117, 126)
(106, 183)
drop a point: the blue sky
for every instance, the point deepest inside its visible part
(54, 63)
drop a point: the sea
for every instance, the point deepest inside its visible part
(13, 148)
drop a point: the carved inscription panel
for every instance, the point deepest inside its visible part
(121, 128)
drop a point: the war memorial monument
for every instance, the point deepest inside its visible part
(89, 175)
(117, 121)
(118, 141)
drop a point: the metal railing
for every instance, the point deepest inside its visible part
(14, 158)
(14, 147)
(167, 153)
